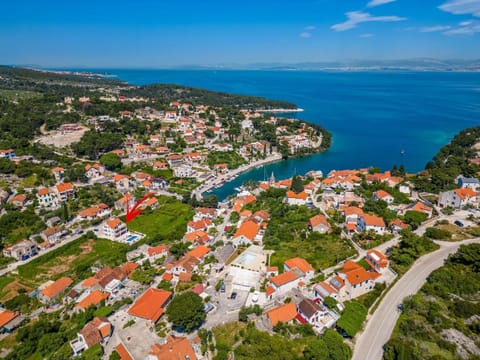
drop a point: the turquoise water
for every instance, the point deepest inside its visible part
(132, 238)
(373, 115)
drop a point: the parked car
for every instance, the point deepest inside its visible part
(208, 307)
(255, 296)
(459, 223)
(222, 288)
(233, 295)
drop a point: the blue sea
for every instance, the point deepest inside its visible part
(374, 116)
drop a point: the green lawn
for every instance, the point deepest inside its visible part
(169, 220)
(322, 251)
(73, 259)
(4, 281)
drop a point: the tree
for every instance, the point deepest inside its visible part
(6, 166)
(111, 161)
(186, 311)
(297, 184)
(415, 218)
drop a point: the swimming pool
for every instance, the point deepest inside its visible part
(132, 238)
(245, 259)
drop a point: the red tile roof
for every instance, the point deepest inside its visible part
(284, 278)
(248, 229)
(6, 316)
(284, 313)
(150, 305)
(57, 287)
(94, 298)
(299, 263)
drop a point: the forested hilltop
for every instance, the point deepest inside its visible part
(459, 157)
(74, 84)
(170, 92)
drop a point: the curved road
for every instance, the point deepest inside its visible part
(369, 344)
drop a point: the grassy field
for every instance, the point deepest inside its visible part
(4, 281)
(322, 251)
(73, 259)
(169, 220)
(229, 333)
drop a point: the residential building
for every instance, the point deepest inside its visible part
(91, 298)
(95, 212)
(470, 183)
(46, 198)
(356, 280)
(315, 314)
(9, 321)
(383, 195)
(22, 250)
(458, 198)
(293, 198)
(299, 264)
(7, 153)
(246, 233)
(284, 314)
(319, 223)
(18, 200)
(203, 224)
(52, 235)
(176, 348)
(64, 191)
(183, 171)
(114, 229)
(97, 331)
(151, 304)
(53, 289)
(376, 260)
(371, 222)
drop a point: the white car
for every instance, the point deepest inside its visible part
(255, 296)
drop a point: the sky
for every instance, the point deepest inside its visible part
(159, 33)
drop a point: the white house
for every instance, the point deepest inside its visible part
(370, 222)
(458, 198)
(293, 198)
(114, 229)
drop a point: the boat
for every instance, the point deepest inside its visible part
(402, 152)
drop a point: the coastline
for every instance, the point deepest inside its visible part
(280, 110)
(211, 184)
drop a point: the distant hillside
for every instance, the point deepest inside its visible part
(75, 84)
(169, 92)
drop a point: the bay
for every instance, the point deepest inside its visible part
(374, 116)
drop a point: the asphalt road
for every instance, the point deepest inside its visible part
(369, 344)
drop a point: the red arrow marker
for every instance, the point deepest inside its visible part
(134, 212)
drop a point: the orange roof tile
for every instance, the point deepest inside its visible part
(167, 276)
(43, 191)
(64, 187)
(129, 267)
(372, 220)
(123, 352)
(57, 287)
(465, 193)
(248, 229)
(89, 282)
(6, 316)
(174, 349)
(356, 274)
(113, 223)
(292, 195)
(382, 194)
(150, 305)
(199, 252)
(284, 278)
(299, 263)
(284, 313)
(317, 220)
(94, 298)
